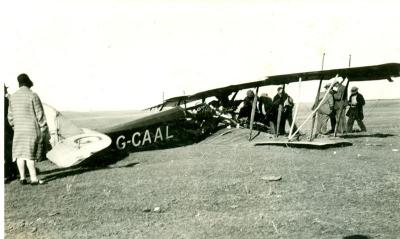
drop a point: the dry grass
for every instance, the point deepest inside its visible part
(214, 190)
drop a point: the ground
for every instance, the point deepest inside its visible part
(217, 189)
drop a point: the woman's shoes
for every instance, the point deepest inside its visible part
(33, 183)
(23, 182)
(38, 182)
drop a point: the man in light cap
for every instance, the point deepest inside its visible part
(332, 115)
(355, 112)
(324, 112)
(26, 117)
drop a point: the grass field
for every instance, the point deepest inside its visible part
(215, 189)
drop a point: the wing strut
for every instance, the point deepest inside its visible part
(253, 112)
(295, 111)
(317, 98)
(280, 109)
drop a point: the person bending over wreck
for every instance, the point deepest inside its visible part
(247, 105)
(266, 112)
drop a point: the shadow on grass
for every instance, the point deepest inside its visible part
(356, 237)
(305, 145)
(99, 162)
(376, 135)
(255, 136)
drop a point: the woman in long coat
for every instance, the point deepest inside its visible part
(26, 116)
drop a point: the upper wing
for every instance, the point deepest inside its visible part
(364, 73)
(226, 90)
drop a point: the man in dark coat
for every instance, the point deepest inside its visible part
(10, 169)
(265, 107)
(284, 103)
(355, 112)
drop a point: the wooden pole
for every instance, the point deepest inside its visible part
(278, 121)
(317, 98)
(349, 60)
(253, 112)
(279, 118)
(295, 111)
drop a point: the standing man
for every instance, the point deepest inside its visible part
(324, 112)
(340, 98)
(285, 102)
(10, 169)
(355, 112)
(26, 116)
(265, 107)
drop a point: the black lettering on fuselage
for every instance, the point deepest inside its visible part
(141, 139)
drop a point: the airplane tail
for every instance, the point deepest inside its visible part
(70, 144)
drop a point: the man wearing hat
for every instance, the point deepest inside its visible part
(26, 116)
(324, 112)
(355, 112)
(284, 103)
(266, 111)
(340, 98)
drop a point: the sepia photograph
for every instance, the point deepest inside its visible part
(200, 119)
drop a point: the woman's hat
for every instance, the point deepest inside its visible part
(23, 79)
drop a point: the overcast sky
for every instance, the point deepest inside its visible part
(119, 54)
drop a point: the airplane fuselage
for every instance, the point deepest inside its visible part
(171, 128)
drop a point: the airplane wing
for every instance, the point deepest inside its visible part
(364, 73)
(173, 101)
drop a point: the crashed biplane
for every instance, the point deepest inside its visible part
(181, 120)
